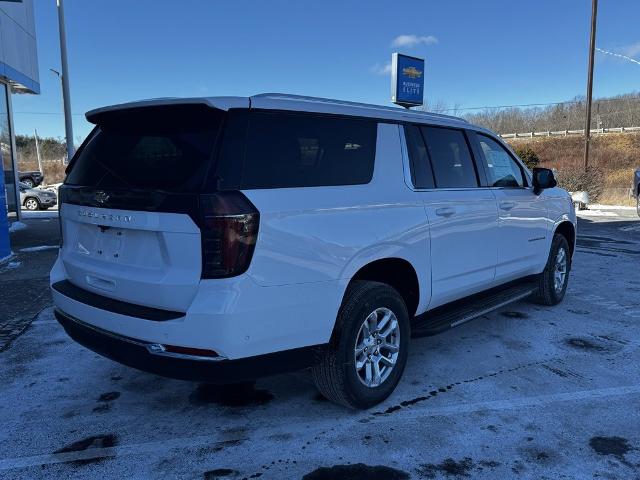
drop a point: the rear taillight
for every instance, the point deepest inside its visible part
(229, 228)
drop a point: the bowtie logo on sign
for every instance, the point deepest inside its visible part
(412, 72)
(407, 80)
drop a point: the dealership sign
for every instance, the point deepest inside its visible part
(407, 80)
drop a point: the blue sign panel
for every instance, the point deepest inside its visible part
(407, 80)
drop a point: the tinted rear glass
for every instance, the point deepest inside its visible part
(450, 157)
(167, 148)
(418, 157)
(301, 150)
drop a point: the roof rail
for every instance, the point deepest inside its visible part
(288, 96)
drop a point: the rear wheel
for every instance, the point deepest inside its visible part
(368, 351)
(552, 282)
(28, 182)
(31, 204)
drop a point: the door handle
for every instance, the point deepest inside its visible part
(507, 205)
(445, 211)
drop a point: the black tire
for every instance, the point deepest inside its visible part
(547, 293)
(335, 374)
(32, 203)
(638, 204)
(29, 182)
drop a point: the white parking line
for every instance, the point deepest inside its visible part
(536, 401)
(190, 442)
(611, 305)
(94, 453)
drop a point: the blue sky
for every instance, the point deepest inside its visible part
(492, 52)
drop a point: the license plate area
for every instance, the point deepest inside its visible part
(101, 242)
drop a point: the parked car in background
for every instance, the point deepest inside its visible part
(636, 189)
(36, 198)
(31, 179)
(223, 239)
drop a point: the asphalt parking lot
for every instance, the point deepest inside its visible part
(525, 392)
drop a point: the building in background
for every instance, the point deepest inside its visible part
(18, 74)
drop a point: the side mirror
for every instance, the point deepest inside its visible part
(543, 178)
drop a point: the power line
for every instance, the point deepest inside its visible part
(490, 107)
(485, 107)
(624, 57)
(47, 113)
(525, 105)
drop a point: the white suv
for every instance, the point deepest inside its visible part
(223, 239)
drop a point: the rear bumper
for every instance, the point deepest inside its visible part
(137, 354)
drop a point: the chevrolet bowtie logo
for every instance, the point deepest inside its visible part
(412, 72)
(102, 197)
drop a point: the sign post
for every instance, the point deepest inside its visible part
(407, 80)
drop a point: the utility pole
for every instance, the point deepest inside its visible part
(66, 98)
(592, 49)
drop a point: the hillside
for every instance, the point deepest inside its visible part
(608, 112)
(613, 159)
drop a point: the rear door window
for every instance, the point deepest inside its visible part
(166, 148)
(421, 173)
(302, 150)
(451, 159)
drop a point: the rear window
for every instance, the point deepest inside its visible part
(167, 148)
(453, 166)
(301, 150)
(172, 149)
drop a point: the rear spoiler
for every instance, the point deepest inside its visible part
(219, 103)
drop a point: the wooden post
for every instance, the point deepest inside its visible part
(38, 151)
(592, 48)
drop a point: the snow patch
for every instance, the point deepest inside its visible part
(7, 264)
(597, 206)
(38, 248)
(15, 226)
(596, 213)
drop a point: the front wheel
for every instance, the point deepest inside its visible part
(368, 350)
(552, 282)
(32, 204)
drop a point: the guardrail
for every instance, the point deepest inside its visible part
(566, 133)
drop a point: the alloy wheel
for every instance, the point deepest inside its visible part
(31, 204)
(560, 270)
(377, 347)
